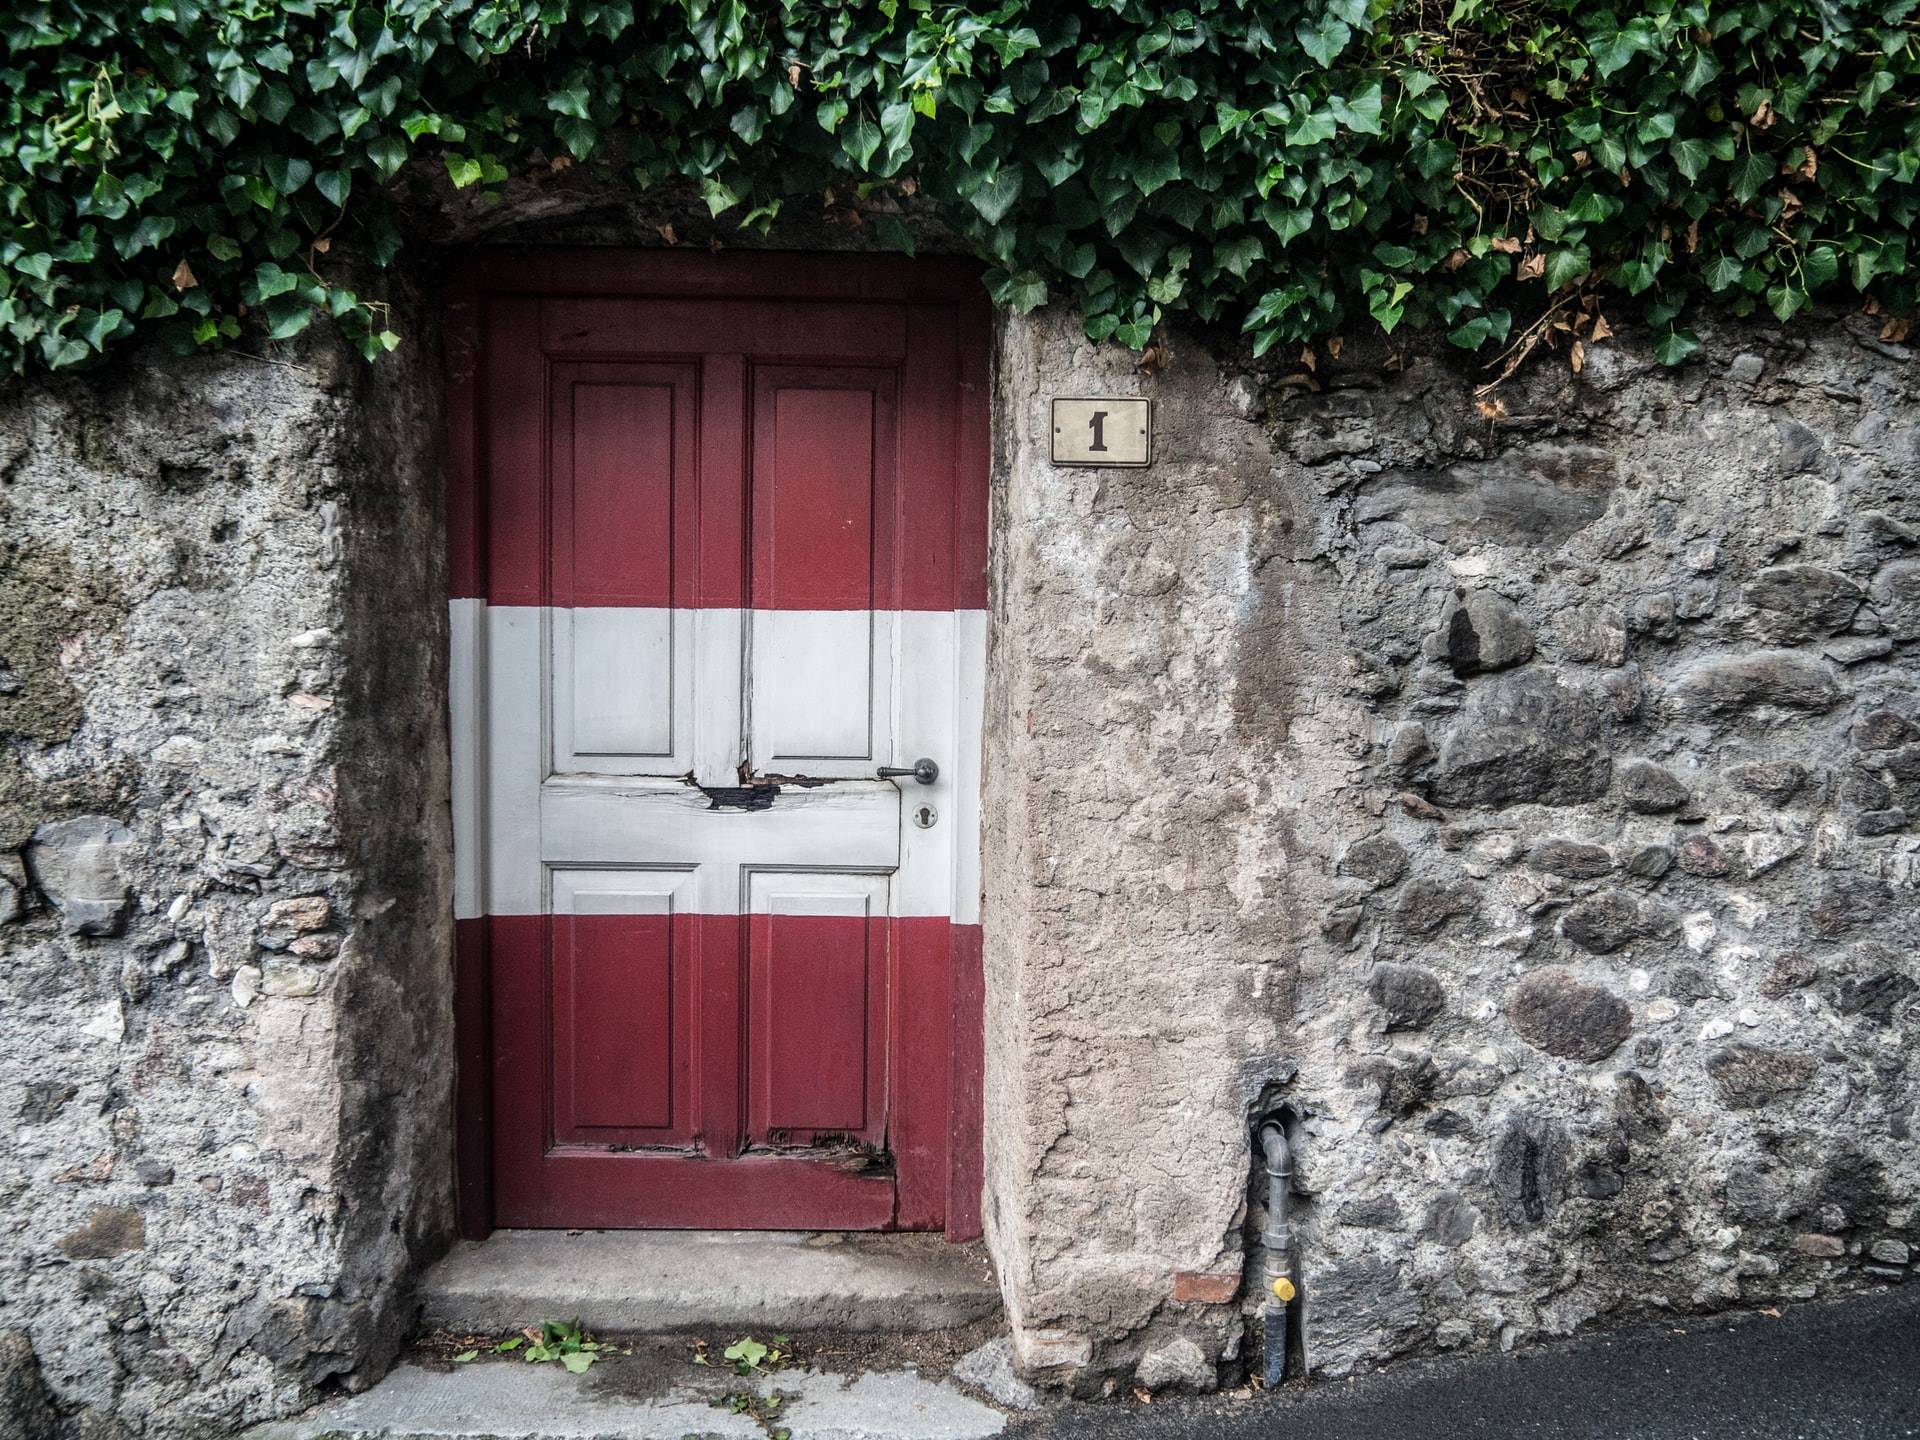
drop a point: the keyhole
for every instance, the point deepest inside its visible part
(1098, 424)
(924, 816)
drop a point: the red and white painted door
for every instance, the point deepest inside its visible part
(720, 561)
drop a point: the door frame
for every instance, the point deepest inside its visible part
(552, 272)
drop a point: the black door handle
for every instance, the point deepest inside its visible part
(923, 770)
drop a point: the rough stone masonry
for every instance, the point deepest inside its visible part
(1521, 789)
(224, 888)
(1522, 793)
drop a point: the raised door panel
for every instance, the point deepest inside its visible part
(817, 985)
(820, 640)
(622, 515)
(624, 1008)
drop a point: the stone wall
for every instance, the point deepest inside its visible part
(1520, 789)
(224, 885)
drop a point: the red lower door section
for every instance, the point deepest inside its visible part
(719, 1071)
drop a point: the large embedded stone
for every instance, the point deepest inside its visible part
(1896, 597)
(1410, 996)
(1848, 900)
(1650, 789)
(1751, 1076)
(1537, 495)
(1380, 860)
(1450, 1220)
(1525, 737)
(1529, 1171)
(990, 1368)
(1728, 686)
(1602, 923)
(1777, 781)
(1180, 1364)
(1563, 1016)
(79, 865)
(1570, 859)
(1595, 634)
(1883, 730)
(1481, 631)
(1360, 1303)
(1796, 603)
(1427, 905)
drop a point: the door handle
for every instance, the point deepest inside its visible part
(923, 770)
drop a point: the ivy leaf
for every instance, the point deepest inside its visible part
(1565, 264)
(1675, 346)
(1323, 39)
(1361, 114)
(1786, 301)
(288, 173)
(1690, 157)
(997, 194)
(860, 140)
(1239, 255)
(334, 185)
(388, 153)
(1751, 171)
(1723, 272)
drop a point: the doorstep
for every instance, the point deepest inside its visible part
(650, 1281)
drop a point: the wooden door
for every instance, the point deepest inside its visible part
(718, 563)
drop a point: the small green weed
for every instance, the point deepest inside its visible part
(551, 1340)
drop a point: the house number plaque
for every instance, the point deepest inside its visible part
(1102, 432)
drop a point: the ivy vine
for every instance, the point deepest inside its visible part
(190, 168)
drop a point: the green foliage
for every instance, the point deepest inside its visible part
(1296, 167)
(550, 1340)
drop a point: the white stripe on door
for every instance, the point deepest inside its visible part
(573, 729)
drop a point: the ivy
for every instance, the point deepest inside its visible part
(196, 169)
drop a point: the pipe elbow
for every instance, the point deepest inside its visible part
(1276, 1150)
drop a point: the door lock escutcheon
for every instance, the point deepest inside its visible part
(923, 770)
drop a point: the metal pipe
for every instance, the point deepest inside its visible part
(1277, 1239)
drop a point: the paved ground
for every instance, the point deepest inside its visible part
(1846, 1371)
(1819, 1372)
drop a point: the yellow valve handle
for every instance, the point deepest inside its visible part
(1283, 1289)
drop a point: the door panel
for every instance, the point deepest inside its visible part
(718, 953)
(817, 1008)
(821, 692)
(625, 1004)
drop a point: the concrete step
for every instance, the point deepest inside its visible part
(640, 1398)
(650, 1281)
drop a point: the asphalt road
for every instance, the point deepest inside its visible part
(1820, 1372)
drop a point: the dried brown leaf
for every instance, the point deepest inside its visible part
(1896, 330)
(1532, 268)
(1577, 357)
(1601, 330)
(183, 276)
(1810, 166)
